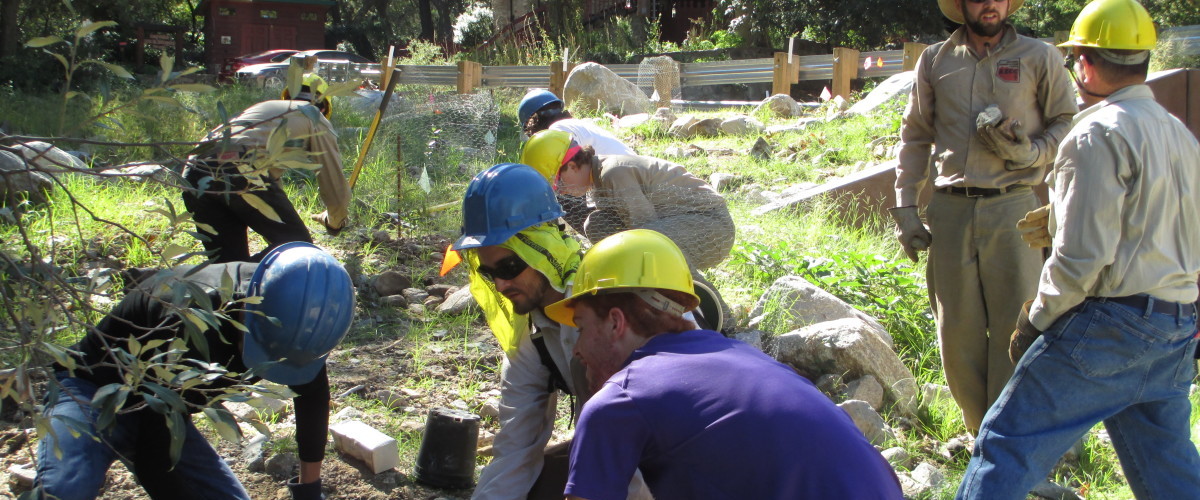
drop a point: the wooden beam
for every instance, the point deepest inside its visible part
(912, 53)
(470, 75)
(845, 69)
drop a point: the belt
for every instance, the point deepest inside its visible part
(1160, 306)
(978, 192)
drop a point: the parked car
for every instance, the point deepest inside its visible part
(232, 64)
(274, 74)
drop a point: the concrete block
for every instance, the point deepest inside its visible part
(361, 441)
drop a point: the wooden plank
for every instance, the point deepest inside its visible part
(845, 68)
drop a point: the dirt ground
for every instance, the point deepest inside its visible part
(421, 360)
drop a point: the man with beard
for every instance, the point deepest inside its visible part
(979, 268)
(519, 261)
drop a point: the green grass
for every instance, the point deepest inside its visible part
(859, 262)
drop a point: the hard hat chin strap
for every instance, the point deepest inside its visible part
(659, 301)
(1123, 59)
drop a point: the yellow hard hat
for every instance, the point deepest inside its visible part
(1113, 24)
(952, 9)
(546, 151)
(316, 93)
(638, 261)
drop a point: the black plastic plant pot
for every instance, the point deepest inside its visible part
(447, 456)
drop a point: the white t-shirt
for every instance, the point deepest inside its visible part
(589, 134)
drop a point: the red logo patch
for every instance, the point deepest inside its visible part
(1009, 70)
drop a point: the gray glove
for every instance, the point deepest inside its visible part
(910, 231)
(1035, 228)
(305, 491)
(1008, 141)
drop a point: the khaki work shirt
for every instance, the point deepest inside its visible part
(1125, 208)
(252, 130)
(1024, 77)
(642, 189)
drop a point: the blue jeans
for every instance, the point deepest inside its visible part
(139, 439)
(1102, 362)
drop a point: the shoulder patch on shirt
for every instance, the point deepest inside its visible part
(1009, 70)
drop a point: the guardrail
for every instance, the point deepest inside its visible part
(840, 67)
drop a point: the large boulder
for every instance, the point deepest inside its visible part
(898, 86)
(48, 158)
(741, 125)
(792, 302)
(593, 86)
(20, 181)
(780, 105)
(851, 347)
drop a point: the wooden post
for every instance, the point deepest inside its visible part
(400, 172)
(845, 69)
(912, 53)
(558, 76)
(1060, 37)
(784, 74)
(139, 52)
(470, 75)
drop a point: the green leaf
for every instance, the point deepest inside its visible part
(225, 424)
(178, 428)
(193, 87)
(88, 28)
(117, 70)
(42, 41)
(163, 99)
(174, 250)
(342, 89)
(66, 65)
(166, 63)
(261, 206)
(170, 397)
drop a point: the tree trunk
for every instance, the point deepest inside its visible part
(9, 35)
(425, 13)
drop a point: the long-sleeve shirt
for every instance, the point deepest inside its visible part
(641, 189)
(527, 410)
(146, 313)
(1024, 77)
(1125, 208)
(306, 129)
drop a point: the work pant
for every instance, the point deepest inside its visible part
(980, 272)
(1128, 367)
(139, 439)
(214, 199)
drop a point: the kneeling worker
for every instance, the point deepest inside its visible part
(701, 415)
(282, 318)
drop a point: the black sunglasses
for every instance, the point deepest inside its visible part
(507, 269)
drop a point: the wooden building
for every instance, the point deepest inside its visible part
(234, 28)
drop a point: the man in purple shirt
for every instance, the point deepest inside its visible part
(702, 416)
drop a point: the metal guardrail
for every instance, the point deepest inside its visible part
(1188, 36)
(814, 67)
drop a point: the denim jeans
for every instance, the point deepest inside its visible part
(1102, 362)
(139, 439)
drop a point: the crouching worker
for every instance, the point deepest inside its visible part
(756, 430)
(234, 174)
(519, 261)
(278, 320)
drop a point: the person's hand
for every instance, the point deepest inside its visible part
(1023, 336)
(1008, 141)
(323, 219)
(305, 491)
(912, 234)
(1035, 228)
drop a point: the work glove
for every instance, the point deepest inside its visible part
(1008, 141)
(305, 491)
(323, 218)
(1024, 335)
(912, 234)
(1035, 228)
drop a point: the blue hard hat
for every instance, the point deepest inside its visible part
(533, 101)
(306, 308)
(503, 200)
